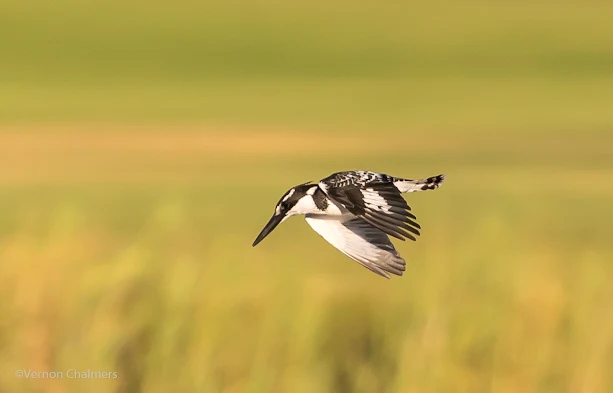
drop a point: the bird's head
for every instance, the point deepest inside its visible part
(297, 200)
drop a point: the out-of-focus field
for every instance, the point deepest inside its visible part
(143, 147)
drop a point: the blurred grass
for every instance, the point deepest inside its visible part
(143, 146)
(153, 276)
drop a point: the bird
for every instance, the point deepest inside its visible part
(357, 212)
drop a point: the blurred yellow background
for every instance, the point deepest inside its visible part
(143, 146)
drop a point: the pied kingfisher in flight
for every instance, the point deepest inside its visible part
(355, 211)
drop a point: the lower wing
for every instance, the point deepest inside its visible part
(361, 242)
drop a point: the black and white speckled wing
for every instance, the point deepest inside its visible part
(355, 178)
(374, 198)
(361, 242)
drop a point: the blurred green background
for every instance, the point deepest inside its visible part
(143, 146)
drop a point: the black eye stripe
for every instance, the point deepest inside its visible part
(293, 196)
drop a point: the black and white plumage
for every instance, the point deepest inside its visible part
(356, 212)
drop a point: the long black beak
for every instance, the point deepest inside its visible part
(272, 224)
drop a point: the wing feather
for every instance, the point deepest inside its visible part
(379, 203)
(361, 242)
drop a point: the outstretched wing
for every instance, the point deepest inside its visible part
(361, 242)
(374, 198)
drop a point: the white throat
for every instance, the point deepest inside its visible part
(305, 205)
